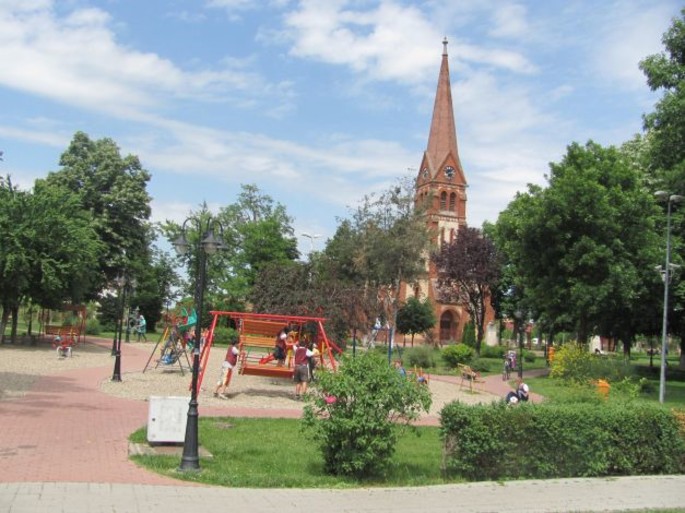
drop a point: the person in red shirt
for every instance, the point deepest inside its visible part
(227, 366)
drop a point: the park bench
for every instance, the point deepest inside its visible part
(468, 374)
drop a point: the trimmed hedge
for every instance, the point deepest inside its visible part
(497, 441)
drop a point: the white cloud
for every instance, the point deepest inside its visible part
(634, 33)
(389, 41)
(77, 60)
(509, 21)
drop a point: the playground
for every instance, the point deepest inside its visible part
(22, 366)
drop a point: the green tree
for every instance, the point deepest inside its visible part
(415, 316)
(48, 249)
(468, 269)
(583, 247)
(383, 245)
(666, 146)
(355, 414)
(113, 189)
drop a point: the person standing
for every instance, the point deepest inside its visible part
(229, 363)
(141, 329)
(301, 371)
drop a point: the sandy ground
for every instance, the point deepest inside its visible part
(21, 366)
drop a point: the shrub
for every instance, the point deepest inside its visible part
(560, 440)
(93, 327)
(480, 365)
(456, 354)
(420, 356)
(574, 363)
(529, 356)
(487, 351)
(469, 336)
(355, 414)
(571, 363)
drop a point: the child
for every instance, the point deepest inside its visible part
(227, 366)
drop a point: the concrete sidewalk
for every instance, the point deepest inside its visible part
(558, 495)
(63, 448)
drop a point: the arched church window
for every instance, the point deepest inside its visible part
(453, 202)
(443, 201)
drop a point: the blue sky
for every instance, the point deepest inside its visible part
(320, 102)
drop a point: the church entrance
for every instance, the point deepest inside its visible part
(448, 326)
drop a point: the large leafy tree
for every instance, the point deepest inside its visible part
(383, 245)
(48, 249)
(666, 149)
(113, 189)
(468, 269)
(256, 232)
(584, 246)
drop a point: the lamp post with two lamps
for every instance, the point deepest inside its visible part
(208, 244)
(670, 199)
(519, 315)
(312, 237)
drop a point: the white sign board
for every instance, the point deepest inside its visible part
(166, 421)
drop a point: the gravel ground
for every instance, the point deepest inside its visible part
(21, 366)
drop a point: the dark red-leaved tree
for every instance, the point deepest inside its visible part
(468, 268)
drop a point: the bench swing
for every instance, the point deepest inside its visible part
(256, 341)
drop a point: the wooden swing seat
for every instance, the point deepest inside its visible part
(259, 333)
(270, 371)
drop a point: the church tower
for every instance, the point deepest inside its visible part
(441, 190)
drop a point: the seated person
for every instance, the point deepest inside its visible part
(280, 348)
(521, 394)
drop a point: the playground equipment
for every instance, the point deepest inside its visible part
(174, 340)
(257, 337)
(71, 332)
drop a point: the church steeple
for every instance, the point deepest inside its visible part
(441, 183)
(442, 139)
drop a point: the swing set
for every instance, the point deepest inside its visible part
(176, 328)
(257, 341)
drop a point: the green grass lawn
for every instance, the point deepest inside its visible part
(275, 453)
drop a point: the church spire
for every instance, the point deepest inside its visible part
(442, 140)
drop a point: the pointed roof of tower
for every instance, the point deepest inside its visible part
(443, 135)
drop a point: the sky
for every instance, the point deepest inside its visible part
(320, 102)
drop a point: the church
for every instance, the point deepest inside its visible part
(441, 189)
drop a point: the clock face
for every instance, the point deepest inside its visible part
(425, 172)
(449, 172)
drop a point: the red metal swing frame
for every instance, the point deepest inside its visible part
(249, 338)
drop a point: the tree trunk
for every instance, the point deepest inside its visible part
(3, 322)
(15, 323)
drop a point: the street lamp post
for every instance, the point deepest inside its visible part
(116, 345)
(670, 199)
(208, 244)
(519, 317)
(312, 237)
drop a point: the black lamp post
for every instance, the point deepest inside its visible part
(519, 318)
(116, 343)
(208, 244)
(670, 199)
